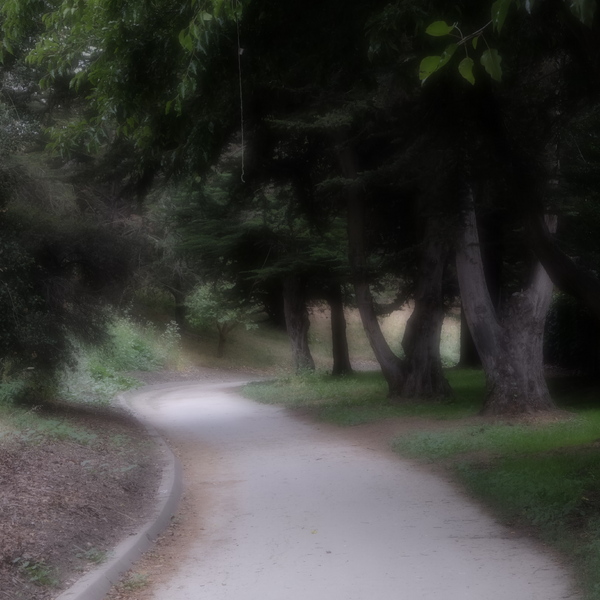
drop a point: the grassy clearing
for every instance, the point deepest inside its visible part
(542, 476)
(361, 398)
(502, 439)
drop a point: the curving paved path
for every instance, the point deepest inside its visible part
(289, 510)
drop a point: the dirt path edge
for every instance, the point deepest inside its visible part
(96, 584)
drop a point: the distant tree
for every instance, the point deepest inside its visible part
(215, 305)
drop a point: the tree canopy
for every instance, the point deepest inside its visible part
(323, 145)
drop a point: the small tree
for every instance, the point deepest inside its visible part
(216, 305)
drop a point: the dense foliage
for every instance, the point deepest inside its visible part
(287, 139)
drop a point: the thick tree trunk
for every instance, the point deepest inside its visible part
(297, 323)
(421, 343)
(510, 347)
(515, 372)
(391, 365)
(339, 341)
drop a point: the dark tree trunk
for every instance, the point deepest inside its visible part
(222, 340)
(510, 345)
(178, 290)
(180, 309)
(297, 323)
(424, 376)
(516, 382)
(273, 305)
(420, 375)
(490, 233)
(391, 365)
(565, 274)
(339, 341)
(469, 358)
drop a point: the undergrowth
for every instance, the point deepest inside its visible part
(95, 377)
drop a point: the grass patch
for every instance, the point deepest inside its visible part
(542, 476)
(362, 397)
(556, 493)
(501, 438)
(38, 572)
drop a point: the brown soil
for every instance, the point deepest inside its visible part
(64, 503)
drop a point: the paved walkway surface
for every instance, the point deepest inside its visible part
(290, 510)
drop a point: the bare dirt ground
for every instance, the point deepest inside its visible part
(64, 503)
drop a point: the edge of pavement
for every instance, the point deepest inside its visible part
(95, 584)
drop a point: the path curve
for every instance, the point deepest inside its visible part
(290, 510)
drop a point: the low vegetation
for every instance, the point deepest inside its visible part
(540, 475)
(73, 469)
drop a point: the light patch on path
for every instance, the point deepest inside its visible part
(288, 510)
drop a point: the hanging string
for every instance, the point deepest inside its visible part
(239, 53)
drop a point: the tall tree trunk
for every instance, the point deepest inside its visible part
(222, 329)
(391, 365)
(490, 239)
(510, 345)
(180, 308)
(469, 358)
(339, 341)
(177, 290)
(297, 322)
(421, 343)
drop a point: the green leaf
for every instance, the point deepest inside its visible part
(447, 54)
(474, 41)
(584, 10)
(428, 66)
(499, 12)
(185, 40)
(491, 60)
(206, 16)
(439, 29)
(465, 68)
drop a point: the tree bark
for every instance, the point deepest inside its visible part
(391, 365)
(339, 341)
(565, 274)
(297, 323)
(424, 376)
(510, 345)
(490, 243)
